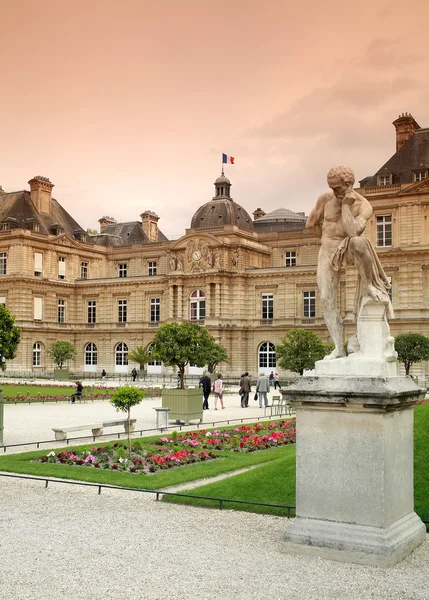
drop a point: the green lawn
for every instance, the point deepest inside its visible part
(272, 482)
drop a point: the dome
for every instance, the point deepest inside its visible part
(281, 215)
(219, 212)
(222, 179)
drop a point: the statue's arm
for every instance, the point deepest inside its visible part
(355, 225)
(314, 221)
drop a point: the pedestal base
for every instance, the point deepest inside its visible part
(346, 542)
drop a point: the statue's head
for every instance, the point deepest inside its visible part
(340, 179)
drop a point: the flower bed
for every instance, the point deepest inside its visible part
(247, 438)
(50, 398)
(115, 458)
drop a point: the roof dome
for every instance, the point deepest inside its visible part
(219, 212)
(222, 179)
(281, 215)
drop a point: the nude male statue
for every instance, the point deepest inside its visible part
(339, 219)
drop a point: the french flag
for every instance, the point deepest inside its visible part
(228, 160)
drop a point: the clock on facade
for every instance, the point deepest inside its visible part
(196, 255)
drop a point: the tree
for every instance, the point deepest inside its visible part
(299, 349)
(61, 352)
(10, 335)
(217, 354)
(411, 348)
(181, 344)
(141, 356)
(123, 400)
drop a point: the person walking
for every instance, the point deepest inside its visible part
(77, 393)
(206, 384)
(271, 378)
(263, 387)
(246, 388)
(103, 374)
(218, 391)
(134, 374)
(277, 382)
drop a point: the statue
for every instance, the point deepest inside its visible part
(172, 262)
(234, 258)
(339, 219)
(180, 262)
(216, 258)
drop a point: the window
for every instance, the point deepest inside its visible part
(92, 311)
(420, 175)
(155, 362)
(267, 306)
(384, 179)
(3, 263)
(152, 268)
(84, 270)
(267, 355)
(155, 309)
(290, 259)
(38, 309)
(37, 354)
(38, 264)
(3, 300)
(121, 354)
(61, 267)
(122, 269)
(384, 230)
(36, 227)
(91, 354)
(122, 311)
(309, 305)
(4, 227)
(61, 311)
(198, 305)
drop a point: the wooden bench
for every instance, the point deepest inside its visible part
(96, 428)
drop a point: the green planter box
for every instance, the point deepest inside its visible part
(185, 405)
(61, 374)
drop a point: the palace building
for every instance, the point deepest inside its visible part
(248, 280)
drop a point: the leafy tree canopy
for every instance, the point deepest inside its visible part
(411, 348)
(61, 352)
(141, 356)
(217, 354)
(180, 344)
(299, 349)
(10, 335)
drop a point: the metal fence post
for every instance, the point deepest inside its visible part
(1, 415)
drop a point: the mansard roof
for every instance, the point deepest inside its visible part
(412, 156)
(125, 234)
(18, 209)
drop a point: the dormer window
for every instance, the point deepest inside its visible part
(385, 179)
(420, 175)
(36, 227)
(4, 226)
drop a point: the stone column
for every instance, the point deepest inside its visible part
(217, 300)
(171, 302)
(354, 468)
(180, 301)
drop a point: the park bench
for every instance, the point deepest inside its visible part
(96, 428)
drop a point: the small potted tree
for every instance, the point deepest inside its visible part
(141, 356)
(123, 400)
(61, 352)
(179, 345)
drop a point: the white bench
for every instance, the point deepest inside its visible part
(96, 428)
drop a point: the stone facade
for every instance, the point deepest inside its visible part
(107, 293)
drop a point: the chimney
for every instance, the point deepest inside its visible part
(150, 225)
(105, 222)
(258, 213)
(41, 193)
(405, 126)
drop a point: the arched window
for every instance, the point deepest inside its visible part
(90, 354)
(37, 354)
(153, 363)
(198, 305)
(121, 354)
(267, 356)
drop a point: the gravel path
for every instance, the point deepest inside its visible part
(68, 542)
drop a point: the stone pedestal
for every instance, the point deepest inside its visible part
(354, 466)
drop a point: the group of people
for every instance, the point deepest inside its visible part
(262, 388)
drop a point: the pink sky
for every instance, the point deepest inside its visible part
(127, 105)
